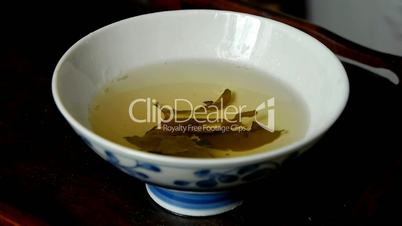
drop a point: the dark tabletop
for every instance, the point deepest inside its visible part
(49, 176)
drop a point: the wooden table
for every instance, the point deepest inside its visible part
(49, 177)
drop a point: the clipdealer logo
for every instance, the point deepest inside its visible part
(196, 115)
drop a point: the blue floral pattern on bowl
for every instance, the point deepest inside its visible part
(132, 169)
(211, 179)
(187, 177)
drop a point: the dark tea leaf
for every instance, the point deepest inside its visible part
(201, 142)
(222, 102)
(167, 145)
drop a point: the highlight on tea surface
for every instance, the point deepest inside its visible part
(196, 119)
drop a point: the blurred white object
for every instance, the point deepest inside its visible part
(376, 24)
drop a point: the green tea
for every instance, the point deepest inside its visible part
(198, 109)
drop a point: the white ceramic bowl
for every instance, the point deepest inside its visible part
(287, 54)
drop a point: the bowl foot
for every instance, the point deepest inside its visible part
(190, 203)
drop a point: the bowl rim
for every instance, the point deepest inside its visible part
(199, 162)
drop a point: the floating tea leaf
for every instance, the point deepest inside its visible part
(212, 136)
(197, 81)
(222, 102)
